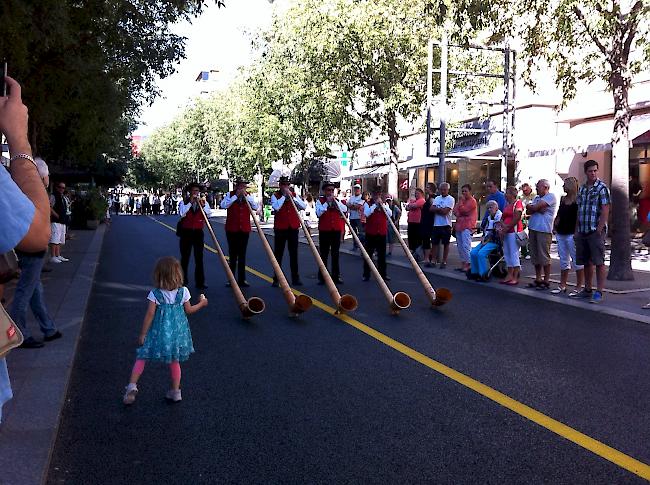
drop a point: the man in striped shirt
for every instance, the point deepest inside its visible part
(591, 228)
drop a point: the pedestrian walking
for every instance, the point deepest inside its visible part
(59, 218)
(466, 212)
(165, 335)
(564, 227)
(540, 233)
(593, 211)
(285, 227)
(191, 233)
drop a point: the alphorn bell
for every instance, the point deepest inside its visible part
(437, 297)
(398, 301)
(345, 303)
(297, 304)
(253, 305)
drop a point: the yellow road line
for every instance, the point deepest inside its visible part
(601, 449)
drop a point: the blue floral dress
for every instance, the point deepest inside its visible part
(169, 338)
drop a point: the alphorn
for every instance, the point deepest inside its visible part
(437, 297)
(398, 301)
(345, 303)
(253, 305)
(297, 304)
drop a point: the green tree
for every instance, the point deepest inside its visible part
(587, 40)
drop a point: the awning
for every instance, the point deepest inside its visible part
(365, 172)
(594, 136)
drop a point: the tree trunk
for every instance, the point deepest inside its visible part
(393, 137)
(620, 267)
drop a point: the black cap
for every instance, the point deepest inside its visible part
(327, 185)
(193, 185)
(284, 180)
(241, 180)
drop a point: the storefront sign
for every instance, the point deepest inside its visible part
(472, 139)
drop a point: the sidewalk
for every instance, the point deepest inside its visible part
(621, 298)
(39, 377)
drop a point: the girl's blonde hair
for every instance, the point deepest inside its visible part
(168, 274)
(573, 183)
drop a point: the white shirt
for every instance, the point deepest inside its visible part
(322, 208)
(170, 295)
(442, 202)
(278, 203)
(228, 200)
(368, 209)
(355, 200)
(183, 208)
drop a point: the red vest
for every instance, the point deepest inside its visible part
(331, 219)
(376, 223)
(238, 218)
(193, 220)
(286, 217)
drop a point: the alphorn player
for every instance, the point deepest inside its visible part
(376, 210)
(285, 227)
(191, 232)
(238, 228)
(330, 228)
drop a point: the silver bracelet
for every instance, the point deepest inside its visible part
(24, 156)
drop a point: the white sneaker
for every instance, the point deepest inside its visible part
(63, 259)
(173, 396)
(55, 260)
(130, 393)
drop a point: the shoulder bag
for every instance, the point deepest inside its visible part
(10, 335)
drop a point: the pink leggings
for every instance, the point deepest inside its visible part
(174, 369)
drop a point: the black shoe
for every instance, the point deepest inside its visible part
(275, 283)
(244, 284)
(386, 278)
(30, 343)
(366, 278)
(338, 280)
(54, 336)
(201, 287)
(296, 282)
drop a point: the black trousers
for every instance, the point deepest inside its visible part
(290, 238)
(192, 239)
(237, 244)
(330, 240)
(374, 243)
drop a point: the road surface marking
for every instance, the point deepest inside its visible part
(601, 449)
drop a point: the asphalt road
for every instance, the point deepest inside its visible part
(317, 400)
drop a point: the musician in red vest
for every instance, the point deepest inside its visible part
(285, 227)
(191, 232)
(330, 228)
(376, 210)
(238, 228)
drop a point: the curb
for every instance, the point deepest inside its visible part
(27, 440)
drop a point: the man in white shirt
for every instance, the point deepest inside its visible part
(238, 227)
(285, 227)
(442, 207)
(190, 231)
(355, 203)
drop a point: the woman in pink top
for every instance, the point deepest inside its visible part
(414, 208)
(511, 221)
(466, 216)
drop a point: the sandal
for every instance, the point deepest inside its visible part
(558, 290)
(512, 283)
(534, 284)
(543, 285)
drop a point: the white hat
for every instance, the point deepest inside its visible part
(357, 186)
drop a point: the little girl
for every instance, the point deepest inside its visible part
(165, 335)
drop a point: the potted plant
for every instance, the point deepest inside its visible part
(96, 208)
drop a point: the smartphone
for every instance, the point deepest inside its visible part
(4, 74)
